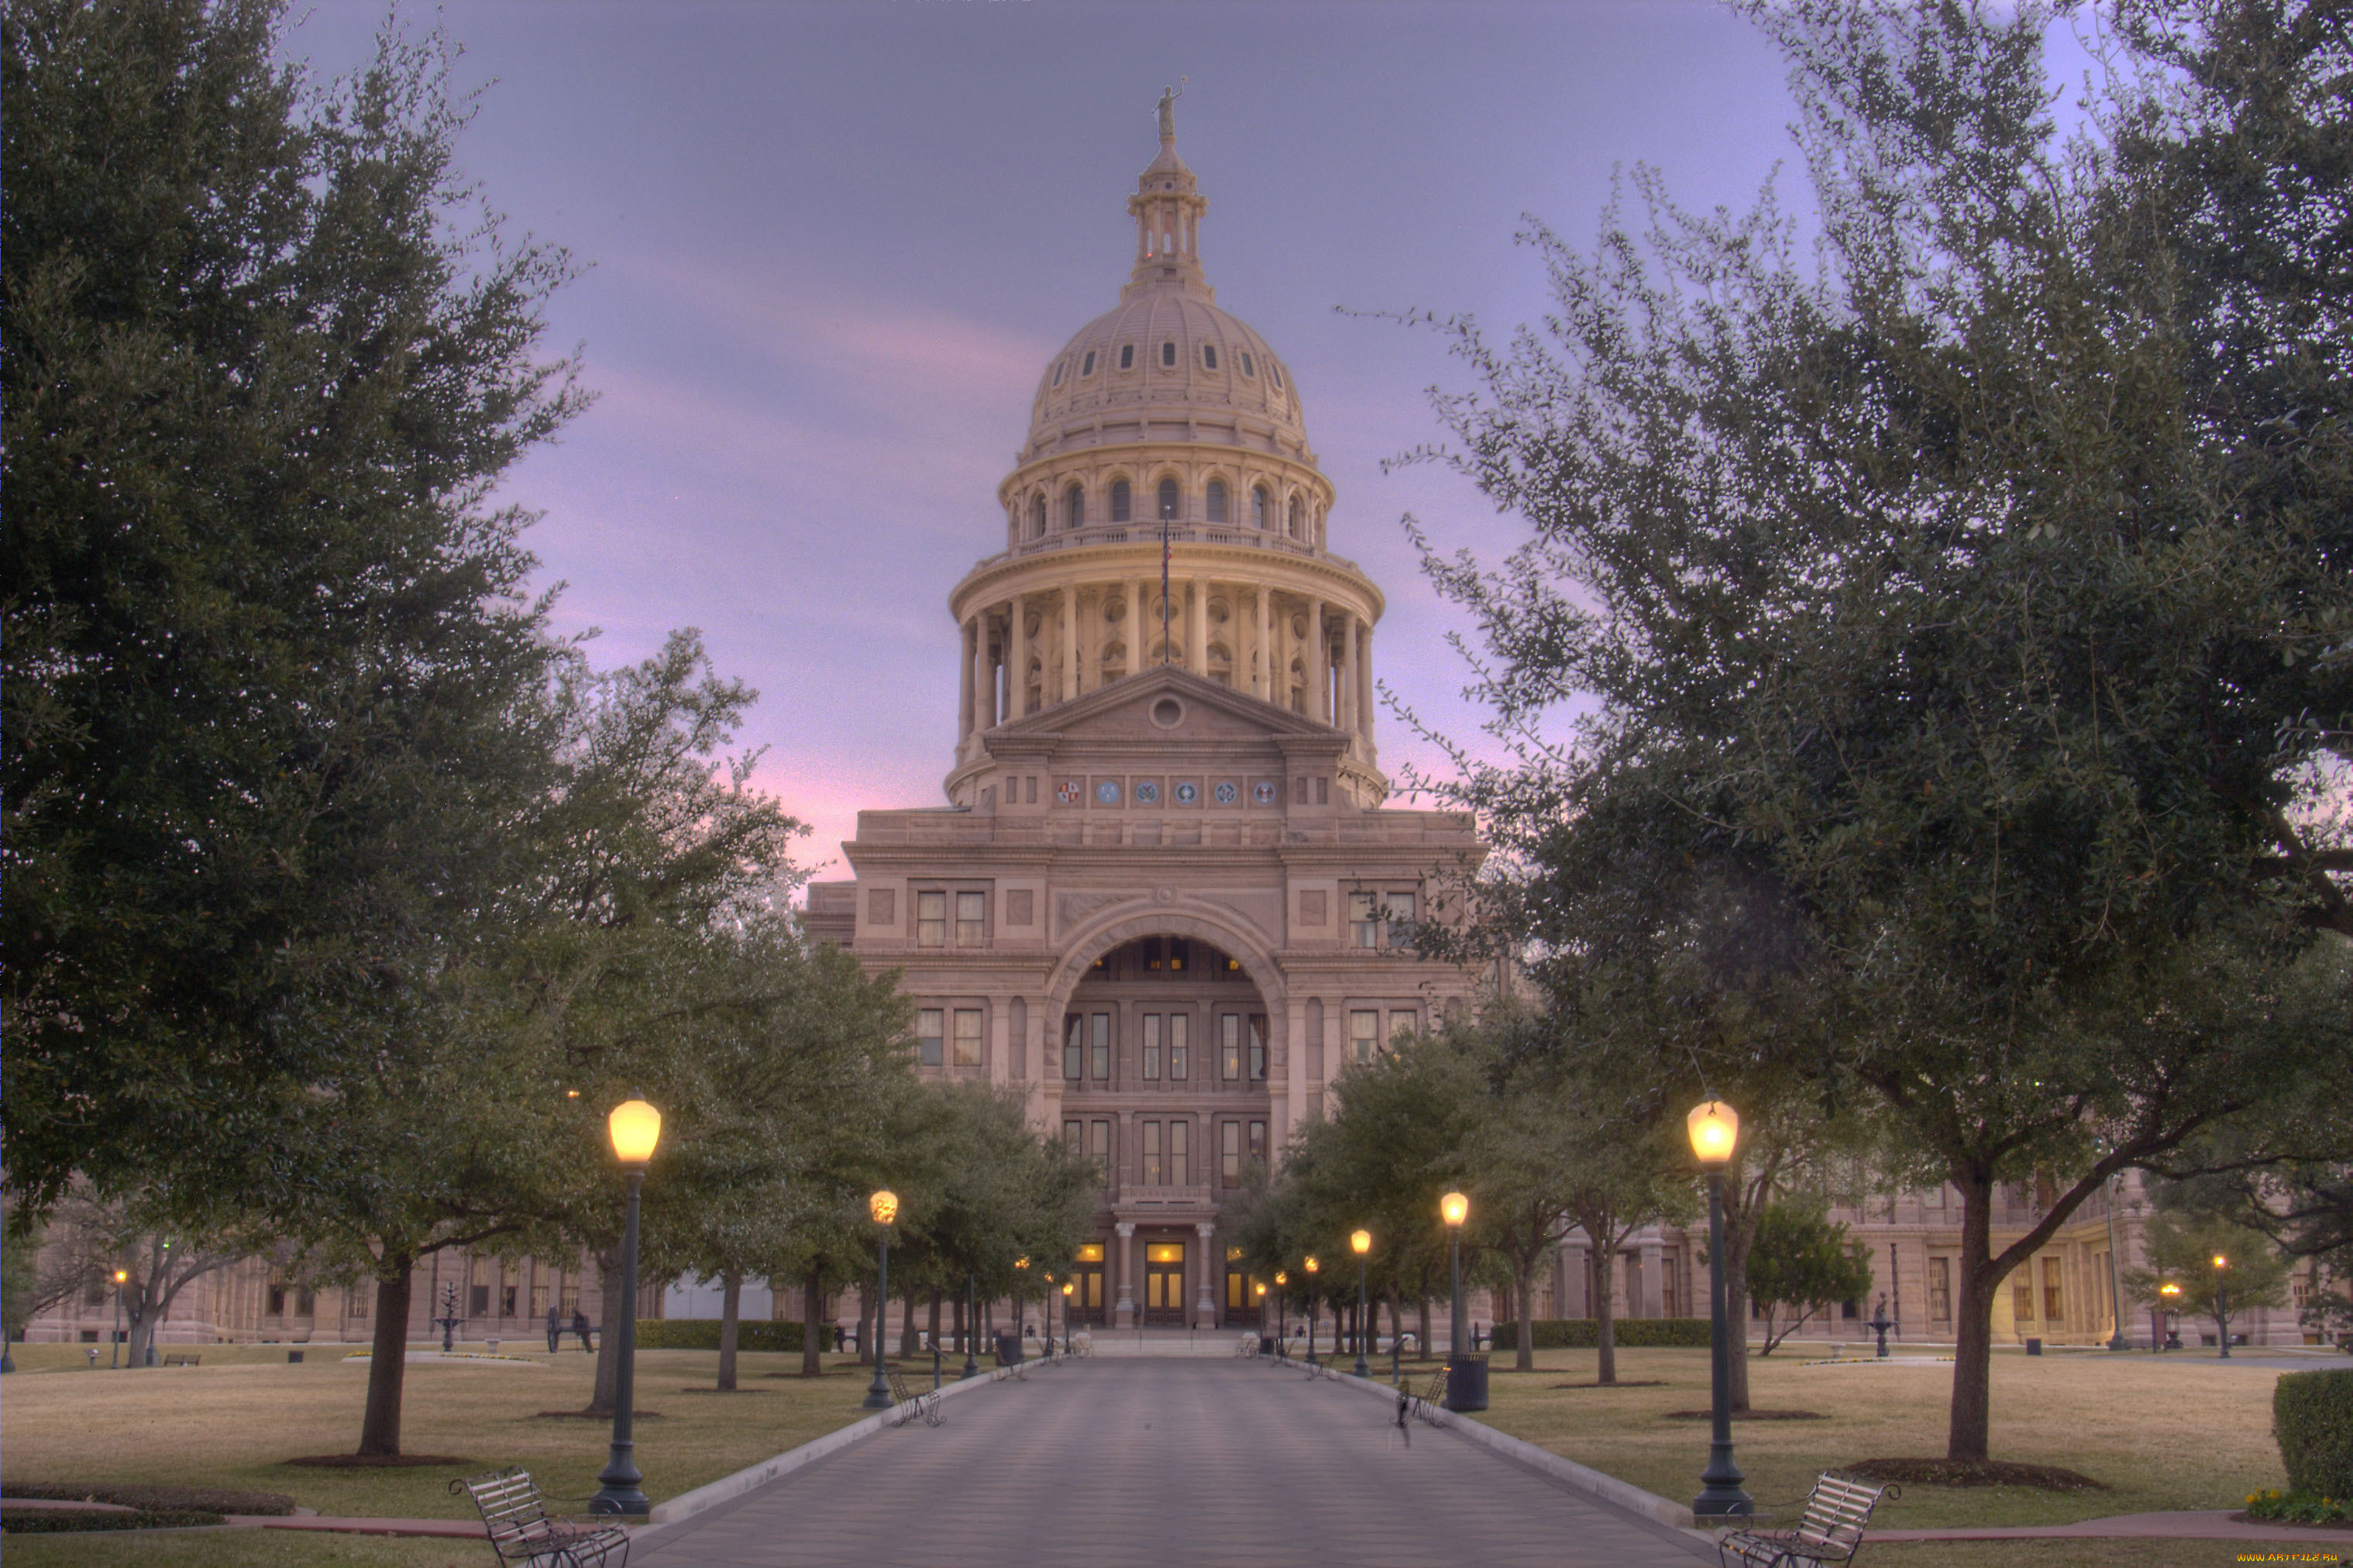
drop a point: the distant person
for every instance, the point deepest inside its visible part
(580, 1326)
(555, 1330)
(837, 1338)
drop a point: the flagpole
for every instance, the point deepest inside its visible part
(1164, 587)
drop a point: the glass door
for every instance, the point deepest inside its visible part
(1164, 1282)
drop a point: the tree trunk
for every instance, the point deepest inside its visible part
(812, 1331)
(387, 1358)
(1966, 1438)
(1421, 1338)
(961, 1329)
(1523, 1290)
(608, 1349)
(731, 1306)
(934, 1321)
(1605, 1309)
(907, 1346)
(141, 1329)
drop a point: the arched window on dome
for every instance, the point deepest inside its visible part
(1248, 366)
(1208, 356)
(1074, 507)
(1298, 517)
(1060, 366)
(1120, 495)
(1127, 356)
(1168, 501)
(1168, 354)
(1216, 501)
(1260, 508)
(1038, 517)
(1087, 365)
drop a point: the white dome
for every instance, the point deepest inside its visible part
(1167, 355)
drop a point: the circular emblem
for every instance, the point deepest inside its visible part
(1107, 791)
(1145, 794)
(1067, 793)
(1226, 793)
(1187, 793)
(1263, 793)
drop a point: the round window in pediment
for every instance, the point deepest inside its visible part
(1168, 712)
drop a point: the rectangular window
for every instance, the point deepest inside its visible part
(1229, 1153)
(967, 1037)
(1258, 1048)
(1074, 1137)
(1364, 931)
(507, 1300)
(1229, 1045)
(1400, 922)
(1153, 1173)
(478, 1301)
(355, 1301)
(278, 1297)
(1257, 1142)
(1101, 1047)
(1099, 1133)
(1180, 1165)
(2022, 1302)
(1073, 1044)
(1180, 1024)
(930, 919)
(1406, 1022)
(930, 1025)
(972, 919)
(570, 1297)
(2054, 1296)
(1151, 1047)
(1940, 1289)
(538, 1301)
(306, 1302)
(1364, 1033)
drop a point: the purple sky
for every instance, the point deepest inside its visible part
(833, 245)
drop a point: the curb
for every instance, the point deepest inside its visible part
(1609, 1488)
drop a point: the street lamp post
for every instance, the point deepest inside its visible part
(1312, 1266)
(114, 1350)
(2167, 1294)
(1069, 1286)
(884, 1206)
(2222, 1306)
(635, 1127)
(2117, 1341)
(1715, 1129)
(1281, 1316)
(1361, 1242)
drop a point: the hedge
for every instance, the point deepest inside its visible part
(2312, 1417)
(702, 1334)
(1627, 1333)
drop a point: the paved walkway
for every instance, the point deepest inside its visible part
(1138, 1459)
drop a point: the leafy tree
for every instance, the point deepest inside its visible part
(2180, 1250)
(1934, 605)
(1803, 1261)
(262, 369)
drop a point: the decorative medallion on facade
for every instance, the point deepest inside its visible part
(1067, 791)
(1187, 793)
(1146, 793)
(1107, 791)
(1262, 793)
(1226, 793)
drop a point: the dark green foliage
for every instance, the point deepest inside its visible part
(1631, 1333)
(71, 1521)
(1802, 1262)
(200, 1499)
(702, 1334)
(2312, 1417)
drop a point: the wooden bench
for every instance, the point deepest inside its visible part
(1428, 1407)
(1828, 1530)
(521, 1532)
(184, 1361)
(908, 1402)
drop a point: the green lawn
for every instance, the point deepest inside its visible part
(233, 1421)
(2180, 1432)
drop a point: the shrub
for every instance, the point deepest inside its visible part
(702, 1334)
(1628, 1333)
(2296, 1507)
(2312, 1418)
(61, 1521)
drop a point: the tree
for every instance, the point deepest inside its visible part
(2181, 1251)
(1931, 601)
(1805, 1262)
(262, 369)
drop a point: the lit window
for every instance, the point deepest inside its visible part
(927, 1037)
(1180, 1024)
(1216, 501)
(930, 919)
(1087, 365)
(1364, 1033)
(1127, 356)
(1120, 497)
(1168, 355)
(1152, 1047)
(967, 1037)
(972, 917)
(1229, 1045)
(1208, 356)
(1259, 507)
(1248, 368)
(1168, 501)
(1074, 507)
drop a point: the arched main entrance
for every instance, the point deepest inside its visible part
(1164, 1051)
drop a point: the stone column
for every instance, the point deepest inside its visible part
(1065, 685)
(1654, 1302)
(1197, 629)
(1124, 1315)
(1016, 638)
(1265, 646)
(984, 674)
(1090, 643)
(1318, 692)
(964, 700)
(1349, 697)
(1139, 636)
(1368, 702)
(1205, 1309)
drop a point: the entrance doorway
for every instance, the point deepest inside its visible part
(1244, 1294)
(1164, 1282)
(1086, 1301)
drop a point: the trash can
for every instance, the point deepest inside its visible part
(294, 1357)
(1466, 1382)
(1008, 1350)
(2034, 1347)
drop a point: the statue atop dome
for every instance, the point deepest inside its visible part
(1168, 96)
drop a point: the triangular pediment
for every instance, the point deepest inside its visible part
(1167, 704)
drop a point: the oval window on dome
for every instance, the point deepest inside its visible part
(1168, 355)
(1168, 501)
(1127, 356)
(1208, 356)
(1247, 367)
(1216, 497)
(1119, 500)
(1087, 365)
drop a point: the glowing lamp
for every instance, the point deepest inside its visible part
(1067, 1286)
(121, 1276)
(1360, 1241)
(1312, 1265)
(635, 1127)
(1281, 1277)
(883, 1205)
(1714, 1127)
(2221, 1261)
(1454, 1208)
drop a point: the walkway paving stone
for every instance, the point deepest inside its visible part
(1176, 1462)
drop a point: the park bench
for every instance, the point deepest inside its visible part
(907, 1402)
(1246, 1346)
(184, 1361)
(521, 1532)
(1828, 1530)
(1428, 1406)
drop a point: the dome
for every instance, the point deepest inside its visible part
(1168, 356)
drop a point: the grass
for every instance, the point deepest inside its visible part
(242, 1549)
(234, 1420)
(2182, 1432)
